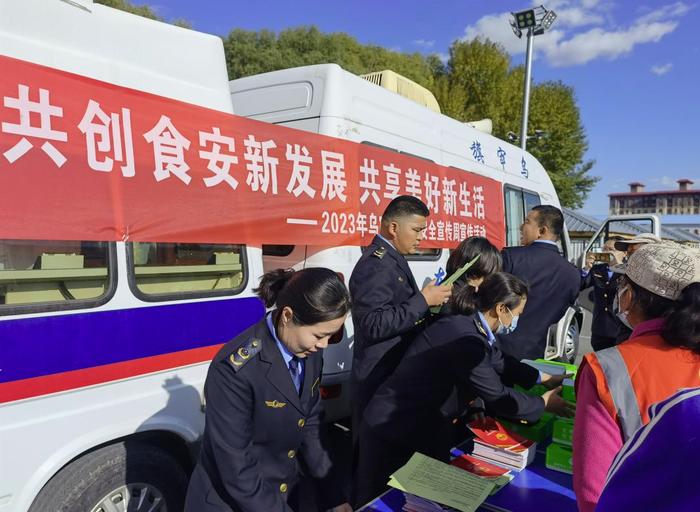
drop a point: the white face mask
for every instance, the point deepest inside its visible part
(622, 315)
(507, 329)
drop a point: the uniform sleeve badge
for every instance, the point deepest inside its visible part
(244, 353)
(379, 252)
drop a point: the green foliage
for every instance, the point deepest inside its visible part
(124, 5)
(249, 53)
(141, 10)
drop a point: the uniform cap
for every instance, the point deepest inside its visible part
(662, 268)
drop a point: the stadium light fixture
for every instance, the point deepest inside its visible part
(535, 21)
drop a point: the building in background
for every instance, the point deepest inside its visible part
(684, 201)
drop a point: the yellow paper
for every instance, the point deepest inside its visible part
(442, 483)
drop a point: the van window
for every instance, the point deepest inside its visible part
(518, 203)
(168, 271)
(425, 255)
(52, 275)
(277, 250)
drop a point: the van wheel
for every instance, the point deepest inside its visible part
(571, 341)
(126, 476)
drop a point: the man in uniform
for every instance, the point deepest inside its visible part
(554, 282)
(606, 327)
(388, 306)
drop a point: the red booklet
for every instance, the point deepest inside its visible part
(479, 467)
(498, 437)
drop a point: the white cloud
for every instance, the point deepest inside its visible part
(598, 43)
(675, 10)
(571, 14)
(423, 43)
(568, 45)
(496, 27)
(661, 69)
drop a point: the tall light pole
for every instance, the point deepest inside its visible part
(536, 21)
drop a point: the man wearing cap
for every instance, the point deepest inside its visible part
(606, 328)
(554, 283)
(659, 297)
(631, 245)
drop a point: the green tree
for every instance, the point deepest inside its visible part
(479, 75)
(141, 10)
(250, 53)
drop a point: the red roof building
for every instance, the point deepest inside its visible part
(683, 201)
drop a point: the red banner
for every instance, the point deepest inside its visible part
(82, 159)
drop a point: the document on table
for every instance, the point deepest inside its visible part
(442, 483)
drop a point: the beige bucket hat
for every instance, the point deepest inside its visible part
(662, 268)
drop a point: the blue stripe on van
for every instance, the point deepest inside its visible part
(33, 347)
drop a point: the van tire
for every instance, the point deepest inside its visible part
(117, 468)
(572, 341)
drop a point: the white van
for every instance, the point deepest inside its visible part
(328, 100)
(103, 344)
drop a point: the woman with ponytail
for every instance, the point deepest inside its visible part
(453, 358)
(263, 402)
(659, 298)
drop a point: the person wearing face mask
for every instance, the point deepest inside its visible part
(263, 402)
(659, 298)
(457, 350)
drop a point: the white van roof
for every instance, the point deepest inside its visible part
(328, 91)
(124, 49)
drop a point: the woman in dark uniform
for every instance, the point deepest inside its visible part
(457, 350)
(262, 401)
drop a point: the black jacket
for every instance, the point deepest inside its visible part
(452, 352)
(388, 310)
(259, 431)
(605, 323)
(554, 286)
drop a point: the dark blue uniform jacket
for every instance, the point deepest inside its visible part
(554, 286)
(453, 351)
(259, 431)
(387, 308)
(605, 323)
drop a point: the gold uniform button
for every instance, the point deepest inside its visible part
(605, 295)
(301, 423)
(283, 487)
(291, 454)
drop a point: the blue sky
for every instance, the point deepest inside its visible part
(634, 65)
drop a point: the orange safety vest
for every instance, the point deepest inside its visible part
(638, 373)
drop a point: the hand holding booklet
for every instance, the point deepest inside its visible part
(441, 483)
(456, 275)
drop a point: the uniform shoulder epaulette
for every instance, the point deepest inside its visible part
(244, 353)
(379, 252)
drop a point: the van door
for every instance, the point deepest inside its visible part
(625, 226)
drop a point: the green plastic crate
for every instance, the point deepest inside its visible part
(563, 431)
(538, 432)
(559, 458)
